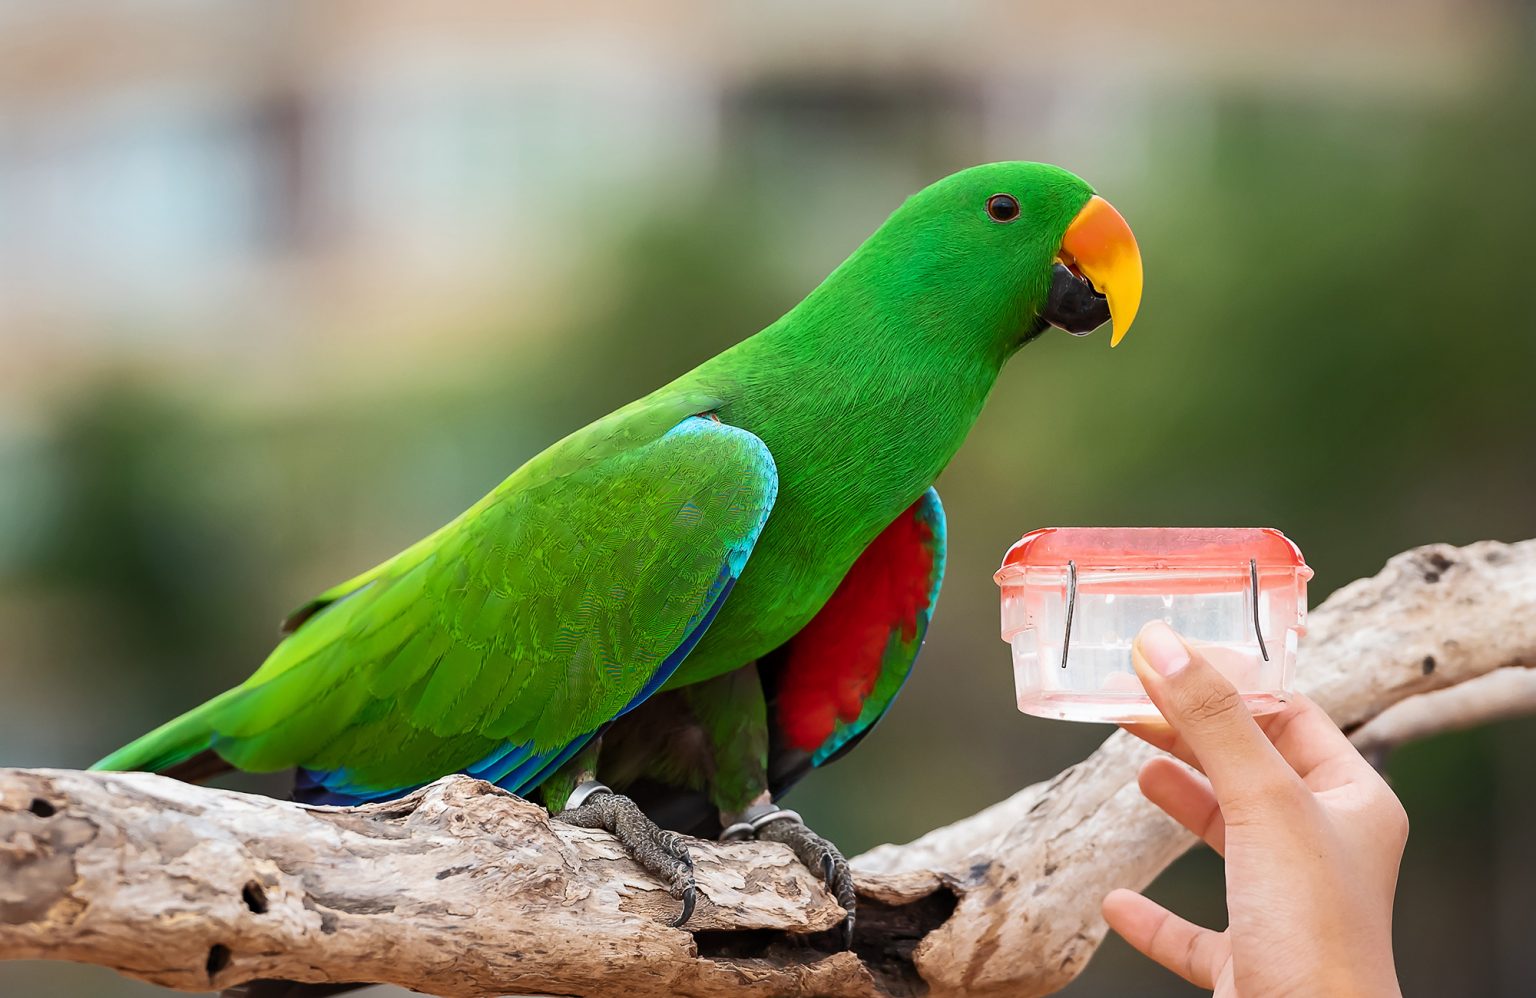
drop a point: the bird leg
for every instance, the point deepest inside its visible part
(767, 822)
(593, 805)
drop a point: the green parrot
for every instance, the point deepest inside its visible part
(664, 620)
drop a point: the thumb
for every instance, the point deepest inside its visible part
(1209, 715)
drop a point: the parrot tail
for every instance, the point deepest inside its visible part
(181, 748)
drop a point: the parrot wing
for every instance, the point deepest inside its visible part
(501, 643)
(834, 680)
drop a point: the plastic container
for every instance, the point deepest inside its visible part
(1074, 599)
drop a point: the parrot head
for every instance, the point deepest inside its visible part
(1017, 247)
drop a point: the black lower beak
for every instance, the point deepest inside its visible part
(1072, 304)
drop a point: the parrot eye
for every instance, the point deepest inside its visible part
(1003, 207)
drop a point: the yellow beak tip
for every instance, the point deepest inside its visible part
(1101, 243)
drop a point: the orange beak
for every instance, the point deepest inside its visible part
(1100, 246)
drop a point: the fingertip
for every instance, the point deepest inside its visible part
(1154, 769)
(1117, 904)
(1148, 729)
(1161, 648)
(1158, 734)
(1192, 952)
(1134, 917)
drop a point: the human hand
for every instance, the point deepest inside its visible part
(1311, 834)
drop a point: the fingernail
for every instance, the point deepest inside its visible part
(1162, 649)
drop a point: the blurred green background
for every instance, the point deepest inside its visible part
(284, 286)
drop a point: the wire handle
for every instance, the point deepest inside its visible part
(1066, 635)
(1253, 576)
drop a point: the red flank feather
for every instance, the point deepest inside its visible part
(832, 664)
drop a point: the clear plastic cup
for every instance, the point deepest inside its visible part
(1074, 598)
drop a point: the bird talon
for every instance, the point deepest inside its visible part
(813, 850)
(661, 852)
(690, 893)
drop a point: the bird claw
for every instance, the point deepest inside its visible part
(689, 894)
(659, 851)
(813, 851)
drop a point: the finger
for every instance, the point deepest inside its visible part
(1205, 709)
(1316, 749)
(1187, 798)
(1303, 734)
(1159, 735)
(1194, 953)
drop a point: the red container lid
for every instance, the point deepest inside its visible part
(1150, 549)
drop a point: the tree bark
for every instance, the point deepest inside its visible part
(461, 889)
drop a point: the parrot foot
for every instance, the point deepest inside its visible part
(768, 823)
(653, 847)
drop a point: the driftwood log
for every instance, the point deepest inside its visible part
(461, 889)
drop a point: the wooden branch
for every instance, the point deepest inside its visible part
(453, 887)
(461, 889)
(1494, 696)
